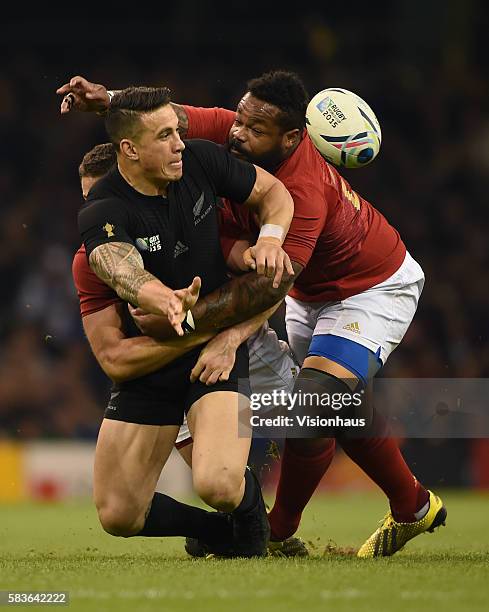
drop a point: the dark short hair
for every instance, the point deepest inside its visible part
(98, 161)
(122, 120)
(287, 92)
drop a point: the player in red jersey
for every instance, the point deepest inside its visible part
(350, 307)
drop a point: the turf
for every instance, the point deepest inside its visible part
(61, 547)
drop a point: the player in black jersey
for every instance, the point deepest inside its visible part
(146, 223)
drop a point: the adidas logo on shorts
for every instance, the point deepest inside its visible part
(353, 327)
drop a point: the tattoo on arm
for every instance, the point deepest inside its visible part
(182, 119)
(120, 265)
(240, 299)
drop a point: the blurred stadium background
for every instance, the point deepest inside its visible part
(422, 66)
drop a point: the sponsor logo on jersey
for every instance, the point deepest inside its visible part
(149, 243)
(179, 249)
(197, 209)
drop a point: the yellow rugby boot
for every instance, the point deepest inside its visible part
(391, 536)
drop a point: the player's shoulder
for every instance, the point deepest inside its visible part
(307, 172)
(199, 147)
(110, 187)
(203, 156)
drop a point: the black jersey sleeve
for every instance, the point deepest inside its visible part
(232, 178)
(104, 220)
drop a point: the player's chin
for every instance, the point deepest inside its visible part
(238, 154)
(175, 171)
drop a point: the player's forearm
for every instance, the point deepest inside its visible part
(159, 328)
(238, 300)
(136, 357)
(121, 266)
(272, 202)
(277, 208)
(240, 332)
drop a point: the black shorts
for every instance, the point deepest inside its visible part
(166, 402)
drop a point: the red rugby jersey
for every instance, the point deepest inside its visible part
(345, 245)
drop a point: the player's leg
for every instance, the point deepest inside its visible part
(219, 458)
(273, 367)
(219, 455)
(359, 334)
(219, 420)
(332, 357)
(371, 449)
(303, 462)
(128, 461)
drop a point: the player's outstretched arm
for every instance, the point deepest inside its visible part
(120, 265)
(82, 95)
(123, 358)
(237, 301)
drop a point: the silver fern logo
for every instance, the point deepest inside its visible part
(198, 205)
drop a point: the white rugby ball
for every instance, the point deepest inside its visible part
(343, 128)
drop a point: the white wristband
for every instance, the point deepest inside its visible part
(269, 230)
(111, 94)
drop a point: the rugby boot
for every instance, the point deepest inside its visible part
(251, 530)
(291, 547)
(391, 536)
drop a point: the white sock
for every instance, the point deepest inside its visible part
(423, 512)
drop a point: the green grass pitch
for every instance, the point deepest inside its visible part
(61, 547)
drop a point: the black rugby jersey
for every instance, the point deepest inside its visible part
(177, 235)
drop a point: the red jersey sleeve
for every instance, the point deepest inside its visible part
(93, 294)
(310, 212)
(209, 123)
(235, 223)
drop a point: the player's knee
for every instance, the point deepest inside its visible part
(220, 490)
(118, 522)
(330, 401)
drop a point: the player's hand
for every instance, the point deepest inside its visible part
(145, 321)
(216, 359)
(267, 257)
(82, 95)
(183, 300)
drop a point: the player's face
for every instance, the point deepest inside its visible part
(160, 147)
(87, 182)
(255, 135)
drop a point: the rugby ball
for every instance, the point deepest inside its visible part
(343, 128)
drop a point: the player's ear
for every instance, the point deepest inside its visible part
(128, 149)
(291, 138)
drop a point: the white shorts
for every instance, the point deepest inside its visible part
(377, 318)
(272, 367)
